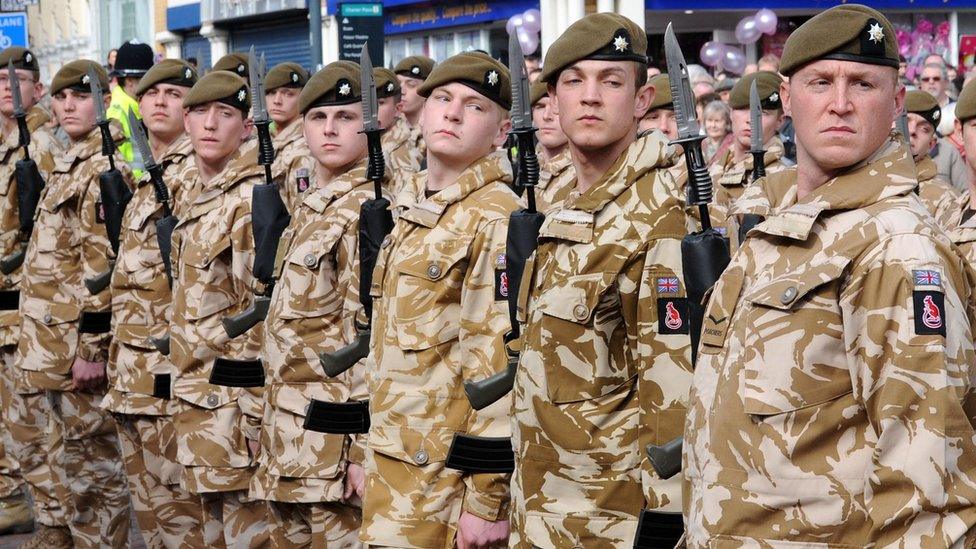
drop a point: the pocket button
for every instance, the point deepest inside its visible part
(212, 400)
(433, 271)
(788, 295)
(421, 457)
(581, 312)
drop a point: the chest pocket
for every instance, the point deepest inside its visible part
(207, 277)
(310, 277)
(793, 351)
(428, 292)
(584, 335)
(56, 225)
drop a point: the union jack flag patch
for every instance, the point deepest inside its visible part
(927, 278)
(667, 285)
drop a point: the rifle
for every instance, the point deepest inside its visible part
(707, 251)
(758, 156)
(115, 193)
(523, 227)
(375, 223)
(269, 217)
(28, 177)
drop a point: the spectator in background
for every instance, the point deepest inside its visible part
(724, 88)
(701, 81)
(533, 67)
(703, 100)
(718, 123)
(934, 58)
(768, 62)
(934, 79)
(110, 60)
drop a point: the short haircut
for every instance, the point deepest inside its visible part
(770, 59)
(720, 108)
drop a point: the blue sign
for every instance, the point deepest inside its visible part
(13, 29)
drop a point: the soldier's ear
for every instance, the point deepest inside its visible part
(504, 126)
(642, 103)
(784, 96)
(247, 129)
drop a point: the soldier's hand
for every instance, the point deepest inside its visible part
(86, 375)
(355, 483)
(475, 532)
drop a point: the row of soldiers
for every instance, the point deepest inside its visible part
(830, 403)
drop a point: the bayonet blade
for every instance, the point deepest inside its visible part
(368, 88)
(521, 111)
(684, 102)
(98, 97)
(755, 119)
(903, 126)
(15, 90)
(259, 108)
(142, 144)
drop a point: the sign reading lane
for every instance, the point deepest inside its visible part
(360, 22)
(13, 29)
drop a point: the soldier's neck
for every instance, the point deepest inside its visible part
(210, 170)
(971, 168)
(592, 164)
(739, 153)
(412, 119)
(550, 153)
(282, 126)
(325, 175)
(441, 173)
(9, 124)
(159, 143)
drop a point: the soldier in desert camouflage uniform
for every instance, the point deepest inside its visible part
(439, 289)
(235, 62)
(924, 113)
(25, 411)
(556, 165)
(399, 142)
(960, 222)
(219, 381)
(65, 336)
(282, 85)
(831, 398)
(141, 376)
(315, 302)
(605, 364)
(733, 172)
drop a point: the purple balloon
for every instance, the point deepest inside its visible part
(528, 40)
(746, 31)
(532, 20)
(514, 22)
(766, 21)
(711, 53)
(734, 61)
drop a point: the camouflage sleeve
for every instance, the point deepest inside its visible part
(910, 346)
(44, 148)
(96, 252)
(251, 401)
(294, 156)
(484, 320)
(347, 260)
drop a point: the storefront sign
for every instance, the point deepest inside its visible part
(358, 23)
(453, 14)
(218, 10)
(16, 5)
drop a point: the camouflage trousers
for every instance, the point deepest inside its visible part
(92, 482)
(32, 441)
(168, 516)
(315, 525)
(235, 521)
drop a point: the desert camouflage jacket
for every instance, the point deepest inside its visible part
(403, 147)
(556, 180)
(731, 178)
(938, 197)
(292, 164)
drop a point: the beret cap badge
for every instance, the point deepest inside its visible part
(620, 42)
(28, 57)
(344, 87)
(241, 95)
(415, 69)
(491, 77)
(294, 77)
(187, 73)
(85, 79)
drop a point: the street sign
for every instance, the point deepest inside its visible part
(13, 29)
(360, 22)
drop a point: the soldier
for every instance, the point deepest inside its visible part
(140, 380)
(219, 381)
(412, 72)
(604, 294)
(25, 410)
(235, 62)
(923, 113)
(399, 142)
(960, 225)
(660, 116)
(132, 61)
(556, 173)
(439, 289)
(733, 171)
(65, 329)
(282, 85)
(831, 397)
(315, 302)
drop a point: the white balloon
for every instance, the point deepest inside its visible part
(513, 23)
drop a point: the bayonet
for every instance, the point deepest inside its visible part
(259, 107)
(19, 113)
(902, 122)
(98, 96)
(521, 111)
(367, 85)
(756, 133)
(154, 170)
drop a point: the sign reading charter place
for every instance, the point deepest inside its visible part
(358, 23)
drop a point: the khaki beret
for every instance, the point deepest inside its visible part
(168, 71)
(22, 58)
(662, 93)
(966, 106)
(767, 84)
(725, 84)
(74, 75)
(387, 84)
(415, 66)
(537, 91)
(235, 62)
(475, 70)
(602, 36)
(850, 32)
(221, 86)
(337, 83)
(923, 104)
(285, 75)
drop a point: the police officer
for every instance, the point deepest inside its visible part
(25, 410)
(440, 313)
(303, 472)
(133, 60)
(605, 364)
(65, 335)
(556, 165)
(924, 113)
(219, 381)
(832, 391)
(140, 384)
(282, 85)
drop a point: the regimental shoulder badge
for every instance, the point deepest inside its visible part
(301, 180)
(672, 315)
(501, 285)
(668, 285)
(99, 212)
(928, 302)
